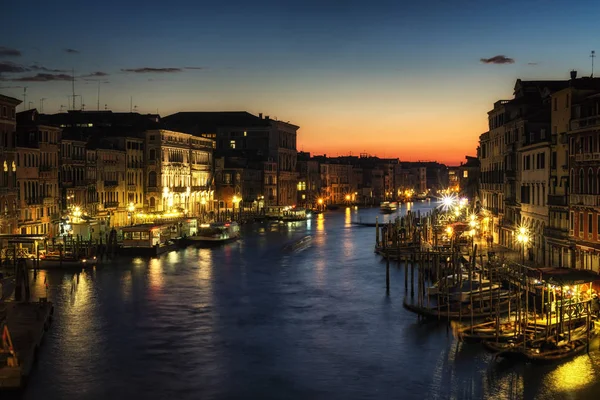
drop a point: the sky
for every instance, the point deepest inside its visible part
(412, 80)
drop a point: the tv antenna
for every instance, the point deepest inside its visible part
(42, 104)
(24, 97)
(592, 56)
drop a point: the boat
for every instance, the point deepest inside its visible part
(472, 288)
(388, 207)
(546, 352)
(486, 331)
(295, 214)
(147, 240)
(65, 260)
(439, 286)
(216, 233)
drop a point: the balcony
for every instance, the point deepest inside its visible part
(34, 201)
(48, 201)
(111, 204)
(110, 183)
(179, 189)
(557, 200)
(199, 188)
(591, 200)
(131, 188)
(152, 189)
(588, 122)
(510, 173)
(557, 233)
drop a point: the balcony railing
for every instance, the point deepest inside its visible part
(111, 204)
(34, 201)
(131, 188)
(110, 183)
(585, 200)
(152, 189)
(558, 233)
(48, 201)
(585, 122)
(557, 200)
(199, 188)
(179, 189)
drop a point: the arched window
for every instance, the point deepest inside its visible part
(590, 186)
(152, 202)
(581, 182)
(152, 179)
(573, 182)
(152, 155)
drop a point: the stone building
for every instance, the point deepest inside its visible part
(9, 211)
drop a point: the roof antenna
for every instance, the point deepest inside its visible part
(592, 56)
(73, 87)
(24, 98)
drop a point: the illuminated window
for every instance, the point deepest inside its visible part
(245, 133)
(232, 144)
(465, 174)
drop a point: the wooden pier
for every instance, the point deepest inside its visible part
(23, 325)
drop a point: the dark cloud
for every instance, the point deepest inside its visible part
(500, 59)
(43, 78)
(149, 70)
(194, 68)
(40, 68)
(9, 52)
(71, 51)
(97, 74)
(8, 66)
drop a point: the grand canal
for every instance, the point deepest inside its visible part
(260, 319)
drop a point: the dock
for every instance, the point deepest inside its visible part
(23, 325)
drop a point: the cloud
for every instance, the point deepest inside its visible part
(40, 68)
(532, 63)
(194, 67)
(9, 52)
(43, 78)
(71, 51)
(500, 59)
(8, 66)
(149, 70)
(97, 74)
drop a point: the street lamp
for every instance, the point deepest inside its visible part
(235, 201)
(131, 210)
(523, 238)
(347, 197)
(320, 202)
(203, 205)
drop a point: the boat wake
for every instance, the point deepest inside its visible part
(298, 245)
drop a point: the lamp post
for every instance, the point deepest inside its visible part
(234, 201)
(202, 208)
(523, 238)
(320, 202)
(347, 197)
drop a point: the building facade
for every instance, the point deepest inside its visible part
(9, 211)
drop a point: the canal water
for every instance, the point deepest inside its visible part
(266, 319)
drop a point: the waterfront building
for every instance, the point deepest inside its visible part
(309, 180)
(560, 243)
(336, 180)
(468, 175)
(179, 174)
(584, 167)
(37, 174)
(72, 173)
(9, 210)
(237, 133)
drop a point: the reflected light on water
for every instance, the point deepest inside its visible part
(348, 216)
(205, 266)
(155, 275)
(320, 223)
(126, 285)
(573, 375)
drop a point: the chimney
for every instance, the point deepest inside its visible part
(260, 115)
(266, 117)
(573, 74)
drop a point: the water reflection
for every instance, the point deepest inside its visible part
(320, 223)
(573, 375)
(348, 216)
(155, 276)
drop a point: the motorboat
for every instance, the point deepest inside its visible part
(388, 207)
(66, 260)
(216, 233)
(147, 240)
